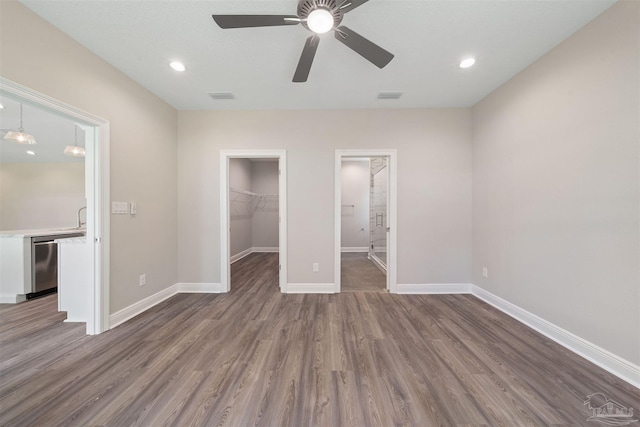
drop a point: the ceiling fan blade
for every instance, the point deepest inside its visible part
(247, 21)
(349, 5)
(369, 50)
(306, 59)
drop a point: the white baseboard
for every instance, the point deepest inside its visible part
(239, 255)
(434, 288)
(249, 251)
(134, 309)
(311, 288)
(266, 249)
(11, 298)
(200, 288)
(355, 249)
(616, 365)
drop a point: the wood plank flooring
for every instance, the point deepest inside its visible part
(360, 274)
(257, 357)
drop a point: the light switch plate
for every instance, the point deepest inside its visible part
(119, 208)
(133, 208)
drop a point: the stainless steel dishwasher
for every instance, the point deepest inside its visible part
(44, 264)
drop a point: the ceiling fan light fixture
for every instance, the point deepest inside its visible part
(320, 21)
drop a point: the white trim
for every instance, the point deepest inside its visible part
(311, 288)
(265, 249)
(354, 249)
(434, 288)
(240, 255)
(141, 306)
(616, 365)
(247, 252)
(378, 263)
(225, 247)
(200, 288)
(392, 220)
(97, 197)
(12, 298)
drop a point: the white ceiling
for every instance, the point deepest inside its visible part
(428, 38)
(51, 132)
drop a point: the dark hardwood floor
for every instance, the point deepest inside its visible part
(258, 357)
(359, 274)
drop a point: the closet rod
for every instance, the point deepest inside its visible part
(250, 193)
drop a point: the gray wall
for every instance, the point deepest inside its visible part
(434, 185)
(556, 185)
(40, 195)
(143, 144)
(264, 222)
(355, 191)
(240, 212)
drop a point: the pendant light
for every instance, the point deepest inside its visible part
(20, 136)
(74, 150)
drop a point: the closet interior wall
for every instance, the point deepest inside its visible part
(253, 206)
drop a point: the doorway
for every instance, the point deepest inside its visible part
(96, 141)
(365, 220)
(253, 202)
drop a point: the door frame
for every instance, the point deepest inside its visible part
(225, 244)
(392, 238)
(97, 163)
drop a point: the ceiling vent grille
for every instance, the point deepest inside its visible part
(222, 95)
(389, 95)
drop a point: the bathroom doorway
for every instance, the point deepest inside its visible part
(365, 220)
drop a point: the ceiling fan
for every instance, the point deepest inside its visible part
(319, 17)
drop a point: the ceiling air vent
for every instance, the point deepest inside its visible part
(222, 95)
(389, 95)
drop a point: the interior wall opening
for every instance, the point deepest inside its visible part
(254, 218)
(52, 224)
(364, 224)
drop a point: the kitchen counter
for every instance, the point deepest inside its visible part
(42, 232)
(16, 274)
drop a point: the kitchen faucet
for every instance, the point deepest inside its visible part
(80, 223)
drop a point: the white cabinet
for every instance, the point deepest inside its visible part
(15, 269)
(73, 283)
(16, 260)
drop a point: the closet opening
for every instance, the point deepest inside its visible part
(252, 209)
(365, 219)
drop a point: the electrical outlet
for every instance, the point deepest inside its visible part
(316, 267)
(143, 279)
(485, 272)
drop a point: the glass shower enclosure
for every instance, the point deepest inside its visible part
(379, 211)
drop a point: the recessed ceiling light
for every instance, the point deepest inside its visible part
(178, 66)
(1, 106)
(31, 153)
(467, 62)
